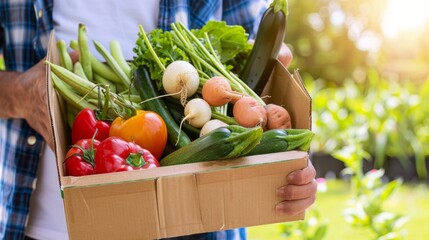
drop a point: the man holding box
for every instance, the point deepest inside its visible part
(25, 131)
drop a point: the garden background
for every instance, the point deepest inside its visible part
(366, 66)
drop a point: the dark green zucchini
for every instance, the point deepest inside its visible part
(281, 140)
(268, 41)
(222, 143)
(147, 90)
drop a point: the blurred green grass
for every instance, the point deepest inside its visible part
(1, 62)
(410, 200)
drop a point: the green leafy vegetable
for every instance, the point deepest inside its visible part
(228, 42)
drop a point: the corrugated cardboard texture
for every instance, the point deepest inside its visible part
(183, 199)
(202, 197)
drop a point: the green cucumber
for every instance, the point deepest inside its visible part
(222, 143)
(281, 140)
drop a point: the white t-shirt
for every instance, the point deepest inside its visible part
(106, 20)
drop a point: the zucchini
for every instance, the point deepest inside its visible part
(281, 140)
(222, 143)
(147, 90)
(268, 41)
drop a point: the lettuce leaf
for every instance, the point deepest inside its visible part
(230, 43)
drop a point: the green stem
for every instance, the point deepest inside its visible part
(224, 118)
(135, 160)
(186, 42)
(280, 5)
(106, 102)
(122, 108)
(213, 63)
(149, 46)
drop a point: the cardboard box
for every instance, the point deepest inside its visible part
(183, 199)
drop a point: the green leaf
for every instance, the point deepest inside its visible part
(389, 188)
(227, 40)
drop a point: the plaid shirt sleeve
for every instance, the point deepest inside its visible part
(195, 13)
(24, 33)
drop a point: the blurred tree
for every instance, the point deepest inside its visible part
(333, 39)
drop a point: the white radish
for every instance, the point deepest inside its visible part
(181, 80)
(211, 125)
(197, 112)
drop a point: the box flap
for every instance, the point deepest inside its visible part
(289, 91)
(57, 109)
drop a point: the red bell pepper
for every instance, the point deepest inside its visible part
(79, 160)
(86, 124)
(116, 155)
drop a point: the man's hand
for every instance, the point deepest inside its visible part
(300, 191)
(32, 105)
(285, 55)
(24, 97)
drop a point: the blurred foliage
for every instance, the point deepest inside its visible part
(364, 84)
(387, 117)
(408, 199)
(337, 39)
(366, 207)
(323, 38)
(313, 228)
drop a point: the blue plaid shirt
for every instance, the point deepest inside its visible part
(24, 31)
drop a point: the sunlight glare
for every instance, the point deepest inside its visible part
(403, 15)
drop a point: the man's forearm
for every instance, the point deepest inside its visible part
(12, 95)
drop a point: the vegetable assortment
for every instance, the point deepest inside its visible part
(180, 100)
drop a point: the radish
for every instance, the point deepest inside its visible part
(211, 125)
(197, 112)
(217, 92)
(249, 113)
(181, 80)
(277, 117)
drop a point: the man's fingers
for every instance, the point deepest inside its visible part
(74, 55)
(302, 176)
(296, 206)
(296, 192)
(285, 55)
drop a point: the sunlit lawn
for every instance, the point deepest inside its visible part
(410, 200)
